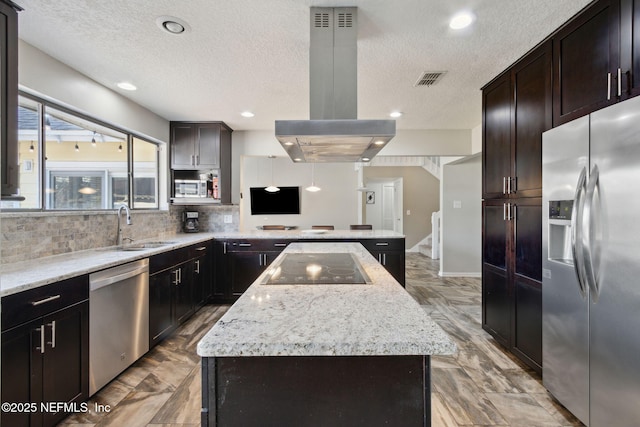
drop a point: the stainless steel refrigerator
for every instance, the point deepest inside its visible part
(591, 265)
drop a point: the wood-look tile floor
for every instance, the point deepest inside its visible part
(481, 385)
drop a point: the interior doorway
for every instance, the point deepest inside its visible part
(383, 204)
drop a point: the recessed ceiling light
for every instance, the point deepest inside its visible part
(247, 114)
(126, 86)
(461, 20)
(297, 159)
(365, 159)
(379, 142)
(172, 25)
(288, 143)
(395, 114)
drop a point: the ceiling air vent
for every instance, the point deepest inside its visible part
(345, 20)
(321, 20)
(429, 78)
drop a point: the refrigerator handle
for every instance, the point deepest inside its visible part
(590, 246)
(576, 225)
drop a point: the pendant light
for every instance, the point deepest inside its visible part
(272, 188)
(31, 147)
(77, 148)
(93, 139)
(313, 188)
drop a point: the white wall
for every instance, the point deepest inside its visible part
(476, 139)
(461, 230)
(43, 75)
(336, 204)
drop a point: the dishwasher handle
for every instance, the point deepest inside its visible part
(140, 268)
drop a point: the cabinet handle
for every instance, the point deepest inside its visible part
(384, 259)
(382, 244)
(504, 211)
(201, 248)
(193, 163)
(52, 343)
(245, 245)
(504, 185)
(46, 300)
(280, 245)
(41, 330)
(224, 248)
(198, 266)
(619, 82)
(197, 159)
(177, 278)
(608, 86)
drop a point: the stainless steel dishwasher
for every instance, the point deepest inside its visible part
(118, 320)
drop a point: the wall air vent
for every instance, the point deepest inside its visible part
(429, 78)
(321, 20)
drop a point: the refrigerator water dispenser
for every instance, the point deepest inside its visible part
(560, 229)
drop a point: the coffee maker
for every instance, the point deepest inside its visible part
(190, 222)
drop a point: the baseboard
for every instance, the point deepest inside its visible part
(453, 274)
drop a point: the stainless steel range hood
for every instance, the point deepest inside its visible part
(333, 134)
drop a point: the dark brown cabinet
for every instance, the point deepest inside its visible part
(179, 284)
(511, 276)
(516, 110)
(203, 148)
(630, 47)
(496, 150)
(240, 262)
(586, 63)
(390, 253)
(9, 98)
(45, 350)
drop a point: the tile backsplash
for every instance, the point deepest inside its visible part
(31, 235)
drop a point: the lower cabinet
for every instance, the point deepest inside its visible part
(179, 284)
(45, 358)
(512, 276)
(238, 263)
(390, 253)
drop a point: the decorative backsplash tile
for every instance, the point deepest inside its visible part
(26, 235)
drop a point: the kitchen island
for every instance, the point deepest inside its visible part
(321, 354)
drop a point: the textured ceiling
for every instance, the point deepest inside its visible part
(253, 54)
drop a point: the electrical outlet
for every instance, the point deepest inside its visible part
(408, 212)
(228, 219)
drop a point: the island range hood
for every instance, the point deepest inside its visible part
(334, 134)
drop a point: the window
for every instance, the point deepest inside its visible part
(72, 162)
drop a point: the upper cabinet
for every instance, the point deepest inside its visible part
(196, 146)
(587, 69)
(202, 148)
(516, 110)
(9, 97)
(630, 47)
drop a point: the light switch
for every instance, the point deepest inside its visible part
(408, 212)
(457, 204)
(228, 219)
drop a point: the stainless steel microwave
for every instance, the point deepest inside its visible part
(190, 188)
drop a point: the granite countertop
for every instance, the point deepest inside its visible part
(380, 318)
(31, 274)
(17, 277)
(310, 234)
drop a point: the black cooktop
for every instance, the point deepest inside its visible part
(317, 268)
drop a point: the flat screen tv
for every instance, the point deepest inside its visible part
(285, 201)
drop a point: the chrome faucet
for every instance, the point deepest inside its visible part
(119, 235)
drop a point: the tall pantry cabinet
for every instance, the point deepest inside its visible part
(517, 108)
(590, 62)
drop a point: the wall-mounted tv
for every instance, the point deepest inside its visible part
(285, 201)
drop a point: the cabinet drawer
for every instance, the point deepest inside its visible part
(383, 244)
(168, 259)
(253, 245)
(28, 305)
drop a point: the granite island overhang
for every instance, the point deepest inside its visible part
(330, 354)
